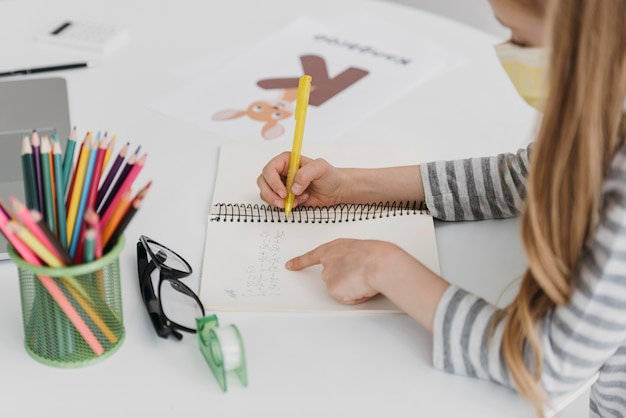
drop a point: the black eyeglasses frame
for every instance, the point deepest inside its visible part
(163, 325)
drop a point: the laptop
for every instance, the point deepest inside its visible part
(27, 104)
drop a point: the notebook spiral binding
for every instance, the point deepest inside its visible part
(229, 212)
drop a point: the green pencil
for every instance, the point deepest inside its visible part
(60, 191)
(89, 245)
(68, 158)
(46, 176)
(28, 174)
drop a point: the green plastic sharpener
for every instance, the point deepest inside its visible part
(222, 348)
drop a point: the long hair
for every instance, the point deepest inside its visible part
(577, 139)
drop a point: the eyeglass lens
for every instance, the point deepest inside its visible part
(168, 258)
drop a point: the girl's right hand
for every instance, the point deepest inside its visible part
(317, 183)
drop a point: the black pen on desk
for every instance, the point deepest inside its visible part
(60, 67)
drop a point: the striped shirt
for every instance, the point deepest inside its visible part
(584, 337)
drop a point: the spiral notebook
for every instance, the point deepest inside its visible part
(248, 242)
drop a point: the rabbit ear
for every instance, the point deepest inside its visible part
(272, 130)
(228, 114)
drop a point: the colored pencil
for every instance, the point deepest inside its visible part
(76, 187)
(93, 221)
(47, 184)
(130, 213)
(104, 188)
(61, 251)
(81, 151)
(26, 217)
(128, 181)
(45, 253)
(76, 290)
(109, 152)
(91, 194)
(97, 173)
(120, 219)
(84, 194)
(51, 141)
(36, 144)
(51, 286)
(28, 174)
(89, 247)
(114, 189)
(60, 195)
(117, 213)
(68, 158)
(4, 209)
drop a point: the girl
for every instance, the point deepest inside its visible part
(568, 320)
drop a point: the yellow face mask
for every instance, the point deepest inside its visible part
(526, 68)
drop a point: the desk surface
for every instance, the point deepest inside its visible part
(300, 365)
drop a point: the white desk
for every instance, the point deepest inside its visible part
(299, 365)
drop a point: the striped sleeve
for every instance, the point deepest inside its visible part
(586, 336)
(476, 188)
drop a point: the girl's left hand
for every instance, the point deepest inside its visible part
(352, 268)
(357, 270)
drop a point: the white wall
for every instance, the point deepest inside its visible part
(474, 12)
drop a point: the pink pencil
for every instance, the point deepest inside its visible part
(51, 286)
(24, 215)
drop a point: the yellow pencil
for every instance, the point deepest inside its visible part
(77, 188)
(302, 102)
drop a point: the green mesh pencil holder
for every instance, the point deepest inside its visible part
(72, 316)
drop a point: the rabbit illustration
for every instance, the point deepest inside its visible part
(323, 88)
(269, 112)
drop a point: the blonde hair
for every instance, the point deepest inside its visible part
(577, 140)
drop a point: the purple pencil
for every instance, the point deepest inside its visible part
(106, 185)
(36, 144)
(130, 163)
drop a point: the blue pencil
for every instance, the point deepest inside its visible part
(83, 198)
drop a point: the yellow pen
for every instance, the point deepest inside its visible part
(302, 102)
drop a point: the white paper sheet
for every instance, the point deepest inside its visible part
(380, 62)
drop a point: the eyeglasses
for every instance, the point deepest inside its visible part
(175, 306)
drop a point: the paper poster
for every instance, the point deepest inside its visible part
(358, 66)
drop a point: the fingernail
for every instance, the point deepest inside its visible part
(278, 203)
(282, 193)
(296, 188)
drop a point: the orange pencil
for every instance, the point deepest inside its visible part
(52, 179)
(130, 213)
(118, 213)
